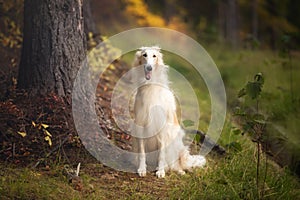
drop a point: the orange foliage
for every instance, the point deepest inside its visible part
(144, 17)
(139, 10)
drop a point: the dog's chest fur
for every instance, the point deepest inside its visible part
(155, 95)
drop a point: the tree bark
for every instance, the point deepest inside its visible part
(169, 9)
(53, 46)
(89, 23)
(221, 20)
(228, 16)
(254, 20)
(232, 23)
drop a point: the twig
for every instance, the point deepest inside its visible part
(266, 167)
(77, 170)
(257, 169)
(3, 150)
(66, 157)
(73, 177)
(52, 151)
(103, 114)
(14, 150)
(291, 77)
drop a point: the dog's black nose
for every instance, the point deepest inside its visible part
(149, 68)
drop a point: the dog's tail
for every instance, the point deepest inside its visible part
(188, 161)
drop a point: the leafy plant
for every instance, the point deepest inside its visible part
(253, 122)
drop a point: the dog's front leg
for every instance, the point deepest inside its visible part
(161, 161)
(142, 158)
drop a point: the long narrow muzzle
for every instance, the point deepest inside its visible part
(148, 71)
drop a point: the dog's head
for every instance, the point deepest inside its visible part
(150, 58)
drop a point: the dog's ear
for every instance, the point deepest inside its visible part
(137, 59)
(138, 54)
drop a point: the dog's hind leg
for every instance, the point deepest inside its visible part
(142, 158)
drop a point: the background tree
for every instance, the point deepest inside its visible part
(227, 21)
(254, 20)
(90, 27)
(232, 23)
(53, 46)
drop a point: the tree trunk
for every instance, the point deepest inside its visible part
(221, 20)
(232, 23)
(228, 16)
(53, 46)
(169, 9)
(89, 23)
(254, 20)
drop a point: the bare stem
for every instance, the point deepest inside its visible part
(266, 171)
(78, 169)
(291, 76)
(257, 169)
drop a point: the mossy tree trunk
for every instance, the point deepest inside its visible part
(53, 46)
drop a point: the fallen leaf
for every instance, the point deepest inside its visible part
(47, 133)
(33, 124)
(23, 134)
(48, 139)
(45, 126)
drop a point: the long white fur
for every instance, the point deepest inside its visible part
(156, 123)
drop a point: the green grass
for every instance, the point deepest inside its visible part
(237, 68)
(234, 176)
(234, 179)
(278, 102)
(23, 183)
(230, 177)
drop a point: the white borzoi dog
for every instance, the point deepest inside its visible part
(156, 125)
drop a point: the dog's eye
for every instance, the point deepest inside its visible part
(145, 55)
(154, 56)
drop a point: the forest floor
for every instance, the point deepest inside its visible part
(35, 168)
(40, 151)
(32, 168)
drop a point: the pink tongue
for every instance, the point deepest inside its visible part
(148, 75)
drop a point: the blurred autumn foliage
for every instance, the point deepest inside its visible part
(140, 11)
(238, 22)
(241, 23)
(11, 13)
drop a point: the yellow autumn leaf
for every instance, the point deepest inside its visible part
(23, 134)
(48, 139)
(47, 133)
(44, 125)
(33, 124)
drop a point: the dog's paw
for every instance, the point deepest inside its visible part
(142, 172)
(160, 173)
(199, 161)
(181, 172)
